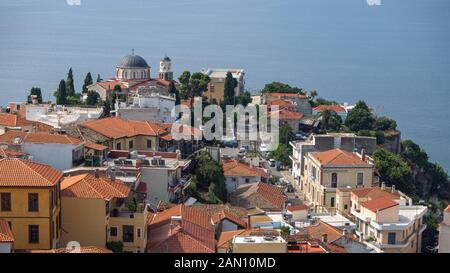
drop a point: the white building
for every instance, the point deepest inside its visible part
(444, 232)
(59, 151)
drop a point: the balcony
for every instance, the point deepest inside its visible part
(128, 209)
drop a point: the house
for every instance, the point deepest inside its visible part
(224, 217)
(94, 154)
(216, 86)
(18, 123)
(238, 173)
(298, 213)
(335, 108)
(319, 143)
(6, 237)
(30, 202)
(267, 241)
(290, 118)
(261, 195)
(301, 101)
(389, 226)
(163, 173)
(444, 232)
(327, 171)
(96, 210)
(180, 229)
(59, 151)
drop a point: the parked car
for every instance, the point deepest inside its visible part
(231, 143)
(272, 162)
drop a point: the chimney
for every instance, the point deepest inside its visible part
(96, 173)
(324, 238)
(363, 154)
(383, 185)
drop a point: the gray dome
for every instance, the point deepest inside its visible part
(132, 61)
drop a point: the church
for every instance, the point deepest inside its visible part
(133, 72)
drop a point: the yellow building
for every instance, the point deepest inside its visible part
(97, 210)
(30, 202)
(327, 171)
(389, 225)
(217, 84)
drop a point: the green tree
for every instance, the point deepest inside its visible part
(228, 89)
(71, 100)
(286, 134)
(115, 246)
(199, 84)
(209, 175)
(384, 124)
(173, 90)
(92, 98)
(107, 107)
(35, 91)
(184, 80)
(281, 154)
(413, 153)
(244, 98)
(87, 82)
(279, 87)
(360, 118)
(439, 180)
(330, 120)
(61, 94)
(70, 89)
(98, 78)
(394, 170)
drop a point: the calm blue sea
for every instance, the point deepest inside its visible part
(396, 56)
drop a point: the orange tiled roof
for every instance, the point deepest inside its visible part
(23, 173)
(338, 157)
(298, 207)
(376, 205)
(281, 102)
(286, 114)
(375, 193)
(109, 85)
(116, 127)
(40, 137)
(94, 146)
(83, 249)
(233, 167)
(11, 153)
(6, 235)
(89, 186)
(261, 195)
(8, 120)
(334, 108)
(194, 233)
(316, 231)
(222, 215)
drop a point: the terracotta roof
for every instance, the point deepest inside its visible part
(286, 114)
(8, 120)
(116, 127)
(376, 205)
(11, 137)
(288, 95)
(6, 235)
(298, 207)
(94, 146)
(334, 108)
(89, 186)
(23, 173)
(109, 85)
(11, 153)
(338, 157)
(282, 103)
(83, 249)
(260, 195)
(317, 230)
(212, 209)
(374, 193)
(222, 215)
(193, 233)
(232, 167)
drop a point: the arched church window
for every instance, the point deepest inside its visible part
(126, 74)
(142, 74)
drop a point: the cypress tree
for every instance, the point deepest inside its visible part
(228, 89)
(70, 89)
(61, 93)
(87, 82)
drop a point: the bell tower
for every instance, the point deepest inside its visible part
(165, 69)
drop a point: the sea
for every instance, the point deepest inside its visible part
(394, 54)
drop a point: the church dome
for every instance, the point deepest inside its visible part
(132, 61)
(166, 58)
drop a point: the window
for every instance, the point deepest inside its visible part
(33, 202)
(334, 179)
(247, 180)
(345, 207)
(360, 179)
(391, 238)
(149, 143)
(130, 144)
(33, 234)
(5, 201)
(128, 234)
(138, 232)
(113, 231)
(332, 202)
(212, 88)
(119, 146)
